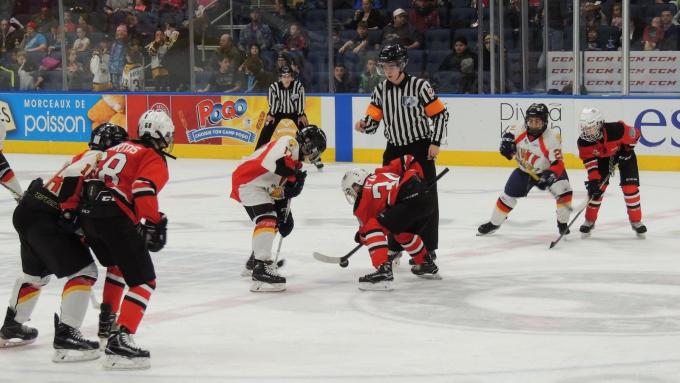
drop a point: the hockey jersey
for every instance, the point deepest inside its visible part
(67, 183)
(615, 136)
(271, 164)
(538, 154)
(135, 174)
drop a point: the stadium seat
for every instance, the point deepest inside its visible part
(320, 82)
(462, 17)
(316, 19)
(343, 16)
(438, 39)
(460, 4)
(447, 81)
(416, 61)
(434, 59)
(52, 80)
(394, 4)
(654, 10)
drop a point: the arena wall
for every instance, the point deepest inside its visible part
(218, 126)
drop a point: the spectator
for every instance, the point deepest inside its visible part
(368, 14)
(54, 41)
(486, 65)
(27, 71)
(369, 78)
(75, 73)
(280, 21)
(133, 76)
(616, 19)
(45, 20)
(82, 42)
(172, 12)
(257, 79)
(157, 49)
(140, 6)
(361, 41)
(670, 31)
(636, 28)
(117, 56)
(462, 60)
(8, 37)
(33, 41)
(82, 23)
(401, 31)
(226, 48)
(652, 35)
(591, 14)
(342, 83)
(423, 15)
(69, 25)
(99, 66)
(255, 32)
(253, 56)
(296, 41)
(226, 79)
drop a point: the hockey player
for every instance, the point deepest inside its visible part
(122, 223)
(538, 151)
(392, 201)
(7, 178)
(46, 222)
(264, 183)
(600, 146)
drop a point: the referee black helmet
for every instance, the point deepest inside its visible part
(394, 53)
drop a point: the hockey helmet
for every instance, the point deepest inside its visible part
(353, 178)
(540, 111)
(392, 53)
(590, 124)
(157, 128)
(107, 135)
(312, 142)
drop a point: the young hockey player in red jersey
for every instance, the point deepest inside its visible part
(538, 151)
(392, 201)
(7, 178)
(122, 223)
(50, 244)
(600, 146)
(264, 183)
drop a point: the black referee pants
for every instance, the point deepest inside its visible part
(268, 129)
(419, 149)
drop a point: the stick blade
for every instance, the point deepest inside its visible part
(552, 244)
(325, 258)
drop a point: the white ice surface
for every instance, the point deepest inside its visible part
(605, 309)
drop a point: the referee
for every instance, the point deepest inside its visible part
(286, 99)
(408, 105)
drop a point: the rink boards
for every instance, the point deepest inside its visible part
(219, 126)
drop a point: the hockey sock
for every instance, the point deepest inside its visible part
(23, 299)
(75, 298)
(263, 236)
(504, 206)
(414, 245)
(376, 241)
(114, 286)
(134, 305)
(563, 203)
(631, 194)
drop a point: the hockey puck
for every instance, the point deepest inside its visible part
(344, 263)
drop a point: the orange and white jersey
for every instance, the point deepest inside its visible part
(537, 154)
(67, 183)
(270, 165)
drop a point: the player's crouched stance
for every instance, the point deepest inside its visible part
(46, 222)
(264, 184)
(538, 152)
(392, 201)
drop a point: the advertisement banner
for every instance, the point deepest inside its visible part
(652, 71)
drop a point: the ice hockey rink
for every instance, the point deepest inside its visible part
(508, 309)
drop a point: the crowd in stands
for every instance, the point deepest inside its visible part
(124, 45)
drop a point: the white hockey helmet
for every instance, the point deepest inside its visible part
(352, 178)
(156, 127)
(590, 124)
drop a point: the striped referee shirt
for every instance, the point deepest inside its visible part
(289, 100)
(406, 108)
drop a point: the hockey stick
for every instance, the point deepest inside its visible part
(278, 249)
(17, 196)
(584, 205)
(532, 173)
(344, 260)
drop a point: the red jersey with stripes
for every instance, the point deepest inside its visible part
(68, 182)
(538, 154)
(271, 164)
(135, 174)
(615, 136)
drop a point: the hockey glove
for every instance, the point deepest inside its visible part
(624, 153)
(68, 222)
(593, 187)
(154, 234)
(285, 225)
(548, 177)
(508, 147)
(293, 189)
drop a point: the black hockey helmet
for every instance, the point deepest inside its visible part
(392, 52)
(540, 111)
(107, 135)
(312, 142)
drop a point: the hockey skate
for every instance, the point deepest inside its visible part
(428, 269)
(379, 280)
(640, 229)
(586, 229)
(70, 346)
(107, 319)
(250, 264)
(487, 228)
(563, 228)
(266, 277)
(14, 333)
(123, 354)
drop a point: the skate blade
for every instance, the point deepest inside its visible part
(246, 273)
(378, 286)
(73, 356)
(641, 235)
(264, 287)
(585, 235)
(436, 277)
(118, 362)
(489, 233)
(14, 342)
